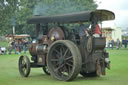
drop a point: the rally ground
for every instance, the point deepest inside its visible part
(118, 75)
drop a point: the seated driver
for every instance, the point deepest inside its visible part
(83, 31)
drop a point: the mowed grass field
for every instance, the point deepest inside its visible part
(118, 75)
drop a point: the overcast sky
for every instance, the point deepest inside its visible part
(119, 7)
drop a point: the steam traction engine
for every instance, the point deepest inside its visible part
(62, 53)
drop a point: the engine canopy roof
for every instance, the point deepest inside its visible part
(97, 15)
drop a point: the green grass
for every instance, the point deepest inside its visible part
(118, 75)
(3, 44)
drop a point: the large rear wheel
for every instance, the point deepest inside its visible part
(64, 60)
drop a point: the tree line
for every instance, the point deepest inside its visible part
(16, 12)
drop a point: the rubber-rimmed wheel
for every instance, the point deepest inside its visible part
(64, 60)
(24, 66)
(46, 71)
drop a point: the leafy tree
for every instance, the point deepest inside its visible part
(63, 6)
(8, 9)
(16, 12)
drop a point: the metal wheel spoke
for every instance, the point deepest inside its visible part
(68, 58)
(65, 52)
(56, 69)
(23, 62)
(24, 59)
(24, 70)
(56, 51)
(62, 60)
(69, 64)
(57, 55)
(54, 60)
(69, 69)
(66, 69)
(61, 52)
(62, 47)
(22, 66)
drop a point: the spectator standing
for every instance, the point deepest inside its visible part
(20, 46)
(118, 44)
(25, 43)
(112, 42)
(125, 42)
(10, 47)
(15, 46)
(109, 44)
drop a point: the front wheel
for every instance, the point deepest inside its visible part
(24, 66)
(64, 60)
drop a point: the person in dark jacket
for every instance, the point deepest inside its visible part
(124, 42)
(83, 29)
